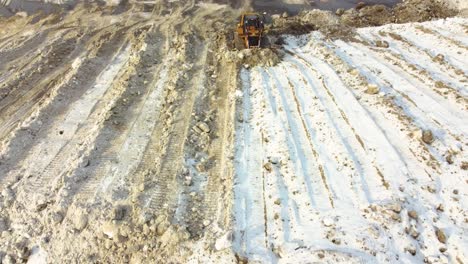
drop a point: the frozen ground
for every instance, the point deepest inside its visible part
(330, 163)
(138, 134)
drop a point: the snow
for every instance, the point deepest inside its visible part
(326, 172)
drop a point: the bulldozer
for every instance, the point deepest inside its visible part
(250, 30)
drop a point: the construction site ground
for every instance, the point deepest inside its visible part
(138, 133)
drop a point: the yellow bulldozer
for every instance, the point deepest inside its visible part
(250, 30)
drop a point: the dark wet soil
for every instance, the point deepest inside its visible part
(278, 6)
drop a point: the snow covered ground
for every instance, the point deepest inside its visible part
(331, 160)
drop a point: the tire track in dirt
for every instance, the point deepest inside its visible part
(250, 233)
(406, 89)
(122, 123)
(357, 81)
(49, 127)
(172, 161)
(323, 77)
(407, 57)
(77, 151)
(332, 130)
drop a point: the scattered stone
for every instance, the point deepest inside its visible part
(413, 214)
(442, 249)
(382, 44)
(372, 89)
(57, 217)
(278, 201)
(449, 158)
(3, 225)
(441, 236)
(464, 165)
(360, 5)
(285, 15)
(455, 191)
(162, 227)
(427, 136)
(274, 160)
(439, 58)
(80, 222)
(188, 181)
(396, 208)
(340, 11)
(412, 251)
(440, 207)
(321, 255)
(336, 241)
(223, 241)
(414, 233)
(439, 84)
(268, 166)
(119, 213)
(204, 127)
(110, 230)
(328, 222)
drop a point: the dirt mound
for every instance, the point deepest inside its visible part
(340, 24)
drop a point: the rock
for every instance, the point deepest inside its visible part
(455, 191)
(440, 207)
(224, 241)
(439, 58)
(274, 160)
(321, 255)
(427, 136)
(57, 217)
(442, 249)
(3, 225)
(439, 84)
(285, 15)
(204, 127)
(360, 5)
(396, 208)
(396, 217)
(464, 165)
(188, 181)
(268, 166)
(412, 251)
(8, 259)
(382, 44)
(162, 227)
(413, 214)
(441, 236)
(275, 16)
(336, 241)
(119, 213)
(414, 233)
(327, 222)
(449, 158)
(278, 201)
(80, 222)
(372, 89)
(340, 11)
(110, 230)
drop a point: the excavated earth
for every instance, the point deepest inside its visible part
(137, 133)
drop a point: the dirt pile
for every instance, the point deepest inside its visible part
(341, 23)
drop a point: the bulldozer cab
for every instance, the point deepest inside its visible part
(250, 29)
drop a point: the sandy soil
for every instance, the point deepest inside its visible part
(138, 133)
